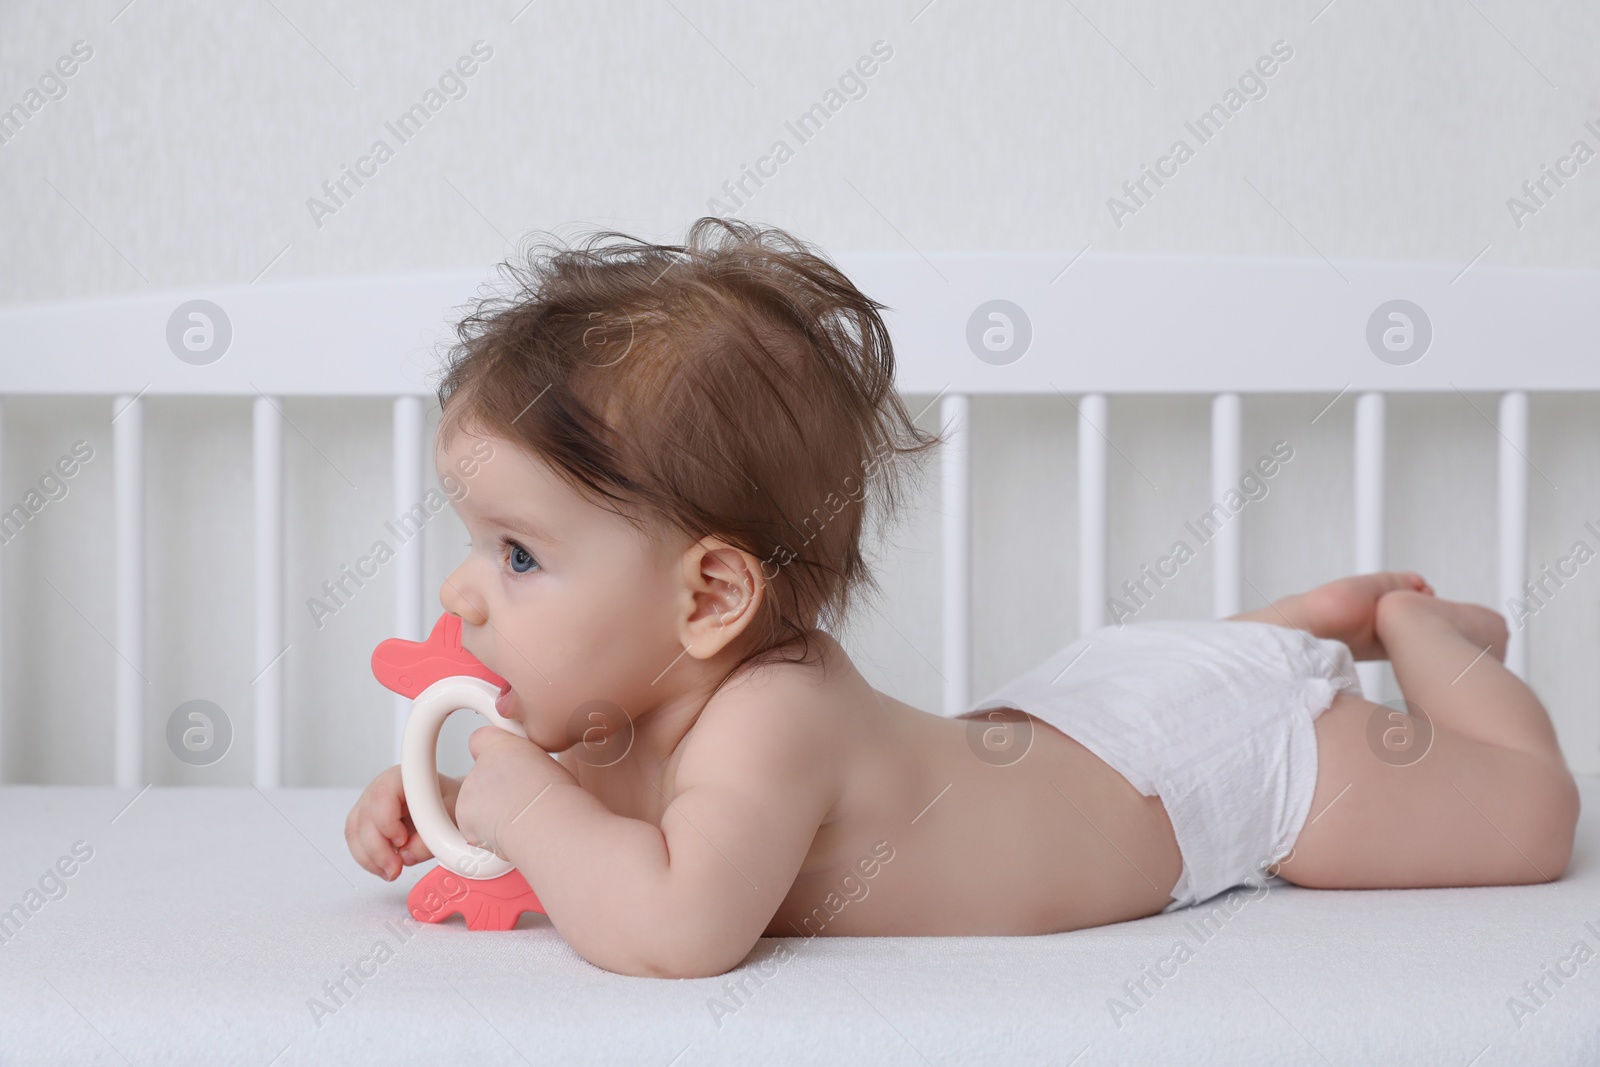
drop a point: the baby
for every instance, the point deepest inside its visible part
(683, 445)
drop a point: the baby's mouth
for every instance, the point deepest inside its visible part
(503, 702)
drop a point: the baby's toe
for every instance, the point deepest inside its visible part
(1410, 580)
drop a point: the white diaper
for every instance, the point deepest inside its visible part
(1213, 716)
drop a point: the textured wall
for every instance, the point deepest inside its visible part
(183, 152)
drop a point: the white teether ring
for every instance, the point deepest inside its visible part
(419, 771)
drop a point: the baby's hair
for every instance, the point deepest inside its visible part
(737, 386)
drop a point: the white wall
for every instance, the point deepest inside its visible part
(185, 150)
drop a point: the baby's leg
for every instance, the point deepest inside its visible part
(1447, 658)
(1487, 800)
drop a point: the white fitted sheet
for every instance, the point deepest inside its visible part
(208, 917)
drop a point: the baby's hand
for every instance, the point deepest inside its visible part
(379, 830)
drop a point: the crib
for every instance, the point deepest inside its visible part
(1086, 327)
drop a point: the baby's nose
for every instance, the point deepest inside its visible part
(458, 601)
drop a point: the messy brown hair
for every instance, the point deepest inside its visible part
(737, 385)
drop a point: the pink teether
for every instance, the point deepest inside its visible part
(441, 677)
(484, 903)
(409, 667)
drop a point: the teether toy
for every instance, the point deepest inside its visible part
(442, 677)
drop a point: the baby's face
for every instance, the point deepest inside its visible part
(564, 599)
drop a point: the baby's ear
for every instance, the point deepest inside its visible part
(723, 587)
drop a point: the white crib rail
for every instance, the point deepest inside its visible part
(1093, 511)
(408, 620)
(1371, 450)
(1224, 328)
(127, 447)
(955, 413)
(1227, 431)
(267, 427)
(1513, 510)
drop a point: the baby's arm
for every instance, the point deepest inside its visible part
(691, 897)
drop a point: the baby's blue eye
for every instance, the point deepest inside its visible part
(520, 559)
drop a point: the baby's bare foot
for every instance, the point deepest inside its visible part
(1346, 610)
(1483, 626)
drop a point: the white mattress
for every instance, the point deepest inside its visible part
(208, 918)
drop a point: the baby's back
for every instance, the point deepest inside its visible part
(932, 828)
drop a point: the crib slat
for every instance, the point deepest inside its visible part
(1227, 569)
(1369, 490)
(1514, 518)
(1092, 511)
(268, 438)
(955, 414)
(2, 599)
(127, 448)
(407, 448)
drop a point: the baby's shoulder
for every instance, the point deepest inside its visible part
(773, 719)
